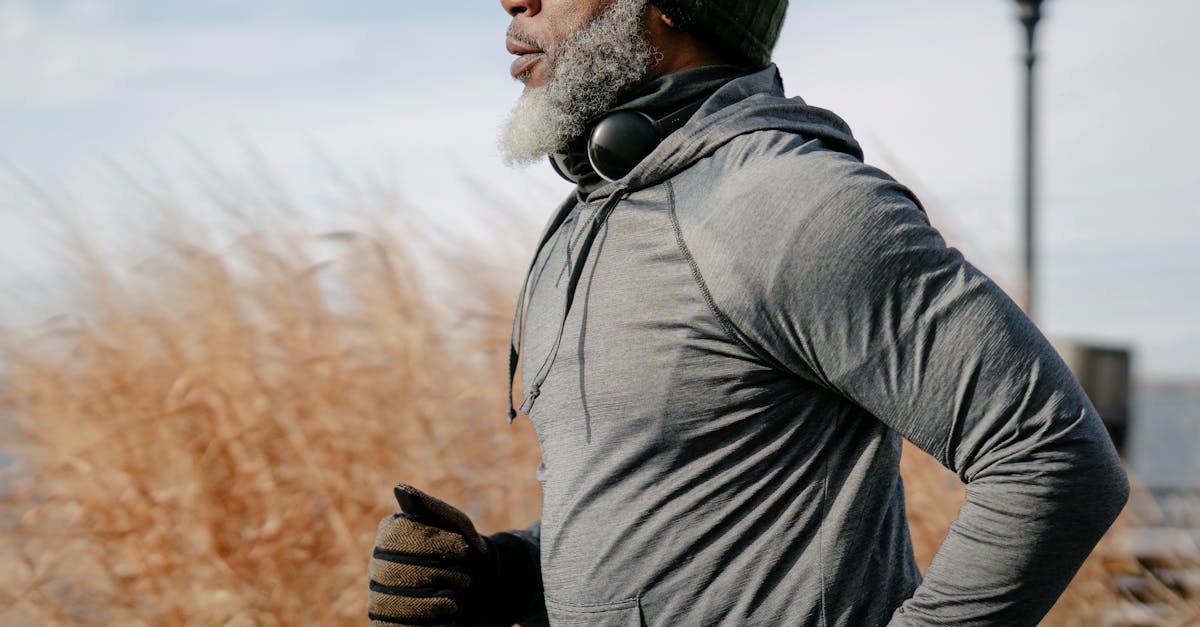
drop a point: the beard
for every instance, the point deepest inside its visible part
(593, 66)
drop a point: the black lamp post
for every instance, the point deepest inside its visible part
(1030, 12)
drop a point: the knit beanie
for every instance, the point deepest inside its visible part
(746, 29)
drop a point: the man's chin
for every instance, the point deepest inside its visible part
(530, 79)
(530, 134)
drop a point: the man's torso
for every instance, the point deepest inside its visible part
(686, 477)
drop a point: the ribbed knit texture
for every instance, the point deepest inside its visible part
(746, 29)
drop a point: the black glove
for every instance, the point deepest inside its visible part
(430, 567)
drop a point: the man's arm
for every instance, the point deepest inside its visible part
(846, 284)
(522, 560)
(905, 327)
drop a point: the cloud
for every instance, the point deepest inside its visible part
(17, 21)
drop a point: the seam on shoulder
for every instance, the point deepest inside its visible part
(726, 324)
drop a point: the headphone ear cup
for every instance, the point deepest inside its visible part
(619, 141)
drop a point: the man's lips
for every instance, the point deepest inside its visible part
(527, 56)
(523, 63)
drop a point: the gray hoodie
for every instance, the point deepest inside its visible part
(753, 320)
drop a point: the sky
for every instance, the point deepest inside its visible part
(92, 91)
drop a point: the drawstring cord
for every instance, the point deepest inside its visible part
(585, 246)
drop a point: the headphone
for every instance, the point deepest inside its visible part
(620, 140)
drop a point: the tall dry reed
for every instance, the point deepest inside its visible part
(212, 438)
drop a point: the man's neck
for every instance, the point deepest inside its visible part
(657, 98)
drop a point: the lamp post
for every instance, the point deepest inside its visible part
(1030, 12)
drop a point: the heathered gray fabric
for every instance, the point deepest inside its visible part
(760, 320)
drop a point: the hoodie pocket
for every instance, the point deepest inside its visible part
(627, 613)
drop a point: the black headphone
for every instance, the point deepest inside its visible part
(618, 141)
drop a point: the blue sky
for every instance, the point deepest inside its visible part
(415, 92)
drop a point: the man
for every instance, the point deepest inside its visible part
(727, 334)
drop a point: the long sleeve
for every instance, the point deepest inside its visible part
(521, 587)
(850, 287)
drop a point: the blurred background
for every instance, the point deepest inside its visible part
(243, 247)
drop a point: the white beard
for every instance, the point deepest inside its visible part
(592, 67)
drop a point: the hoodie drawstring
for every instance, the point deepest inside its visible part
(585, 246)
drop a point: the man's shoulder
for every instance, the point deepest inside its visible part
(782, 180)
(775, 203)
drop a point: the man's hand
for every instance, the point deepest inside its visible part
(429, 565)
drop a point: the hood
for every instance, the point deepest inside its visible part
(753, 102)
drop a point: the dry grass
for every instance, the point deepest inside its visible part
(213, 441)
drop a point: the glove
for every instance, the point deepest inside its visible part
(430, 567)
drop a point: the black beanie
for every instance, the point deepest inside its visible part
(747, 29)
